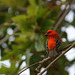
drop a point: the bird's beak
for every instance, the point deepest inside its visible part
(46, 34)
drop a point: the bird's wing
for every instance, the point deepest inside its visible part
(47, 49)
(58, 44)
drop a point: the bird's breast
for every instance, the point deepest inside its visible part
(51, 44)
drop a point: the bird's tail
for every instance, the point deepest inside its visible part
(52, 53)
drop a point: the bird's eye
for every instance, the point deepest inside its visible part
(49, 32)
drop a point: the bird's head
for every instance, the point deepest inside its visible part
(51, 33)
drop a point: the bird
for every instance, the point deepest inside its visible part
(53, 43)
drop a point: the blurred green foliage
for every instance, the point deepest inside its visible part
(33, 18)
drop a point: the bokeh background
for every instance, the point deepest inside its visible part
(23, 24)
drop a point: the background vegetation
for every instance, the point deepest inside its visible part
(23, 24)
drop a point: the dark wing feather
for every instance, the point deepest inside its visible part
(47, 50)
(58, 44)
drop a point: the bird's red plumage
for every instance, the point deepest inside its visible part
(53, 34)
(51, 44)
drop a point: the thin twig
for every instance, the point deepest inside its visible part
(28, 67)
(41, 64)
(64, 48)
(57, 58)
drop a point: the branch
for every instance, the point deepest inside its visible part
(21, 9)
(63, 14)
(7, 36)
(57, 59)
(41, 64)
(4, 39)
(64, 48)
(28, 67)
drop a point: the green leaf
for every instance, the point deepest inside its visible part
(39, 43)
(19, 19)
(27, 57)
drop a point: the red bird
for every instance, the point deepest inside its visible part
(53, 43)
